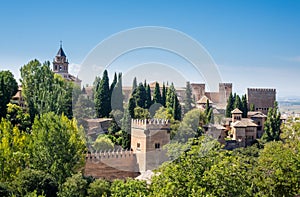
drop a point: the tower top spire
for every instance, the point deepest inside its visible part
(61, 52)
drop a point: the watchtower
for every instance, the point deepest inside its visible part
(147, 139)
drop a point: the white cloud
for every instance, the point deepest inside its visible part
(74, 68)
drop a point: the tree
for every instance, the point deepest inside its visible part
(74, 186)
(156, 94)
(13, 151)
(176, 109)
(188, 98)
(45, 91)
(131, 106)
(252, 107)
(272, 124)
(130, 187)
(117, 95)
(140, 113)
(237, 102)
(103, 143)
(8, 88)
(102, 97)
(84, 109)
(18, 117)
(99, 188)
(230, 105)
(172, 103)
(148, 97)
(134, 85)
(57, 146)
(140, 96)
(30, 180)
(209, 112)
(126, 129)
(164, 95)
(244, 106)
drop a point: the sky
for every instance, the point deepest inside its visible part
(253, 43)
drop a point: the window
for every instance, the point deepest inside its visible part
(258, 123)
(157, 145)
(138, 146)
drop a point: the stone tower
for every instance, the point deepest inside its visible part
(147, 139)
(261, 98)
(60, 63)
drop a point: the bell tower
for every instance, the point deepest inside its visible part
(60, 63)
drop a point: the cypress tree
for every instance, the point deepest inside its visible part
(237, 102)
(188, 98)
(126, 129)
(134, 85)
(244, 106)
(229, 106)
(131, 106)
(140, 96)
(272, 125)
(164, 95)
(117, 95)
(148, 97)
(176, 109)
(103, 106)
(156, 94)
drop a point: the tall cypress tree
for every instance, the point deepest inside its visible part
(126, 129)
(134, 85)
(140, 96)
(272, 125)
(244, 106)
(237, 102)
(148, 97)
(188, 97)
(157, 94)
(163, 95)
(103, 105)
(176, 109)
(229, 106)
(117, 95)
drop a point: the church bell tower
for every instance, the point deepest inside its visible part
(60, 63)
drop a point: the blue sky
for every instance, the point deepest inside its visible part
(254, 43)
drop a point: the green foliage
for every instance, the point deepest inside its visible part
(45, 91)
(134, 85)
(148, 97)
(209, 112)
(99, 188)
(140, 96)
(176, 111)
(126, 130)
(115, 124)
(162, 113)
(164, 95)
(103, 143)
(272, 125)
(244, 106)
(4, 190)
(74, 186)
(117, 95)
(172, 103)
(130, 188)
(57, 146)
(252, 107)
(102, 97)
(229, 106)
(140, 113)
(131, 106)
(237, 102)
(8, 88)
(188, 98)
(30, 180)
(156, 94)
(18, 117)
(83, 109)
(13, 156)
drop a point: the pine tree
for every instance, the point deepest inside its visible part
(244, 106)
(148, 97)
(103, 105)
(157, 94)
(229, 106)
(272, 124)
(163, 95)
(188, 98)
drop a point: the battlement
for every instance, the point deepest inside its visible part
(104, 155)
(261, 89)
(150, 124)
(225, 84)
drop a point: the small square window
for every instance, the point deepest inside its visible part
(157, 145)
